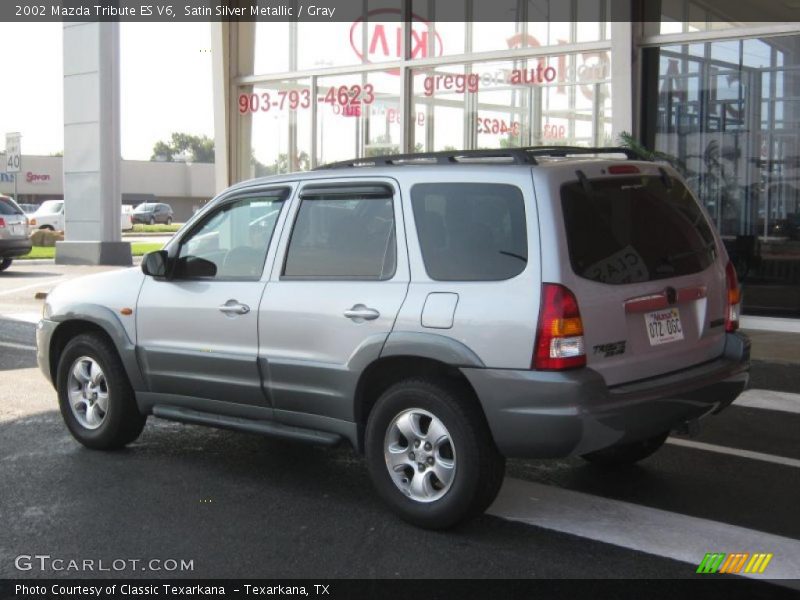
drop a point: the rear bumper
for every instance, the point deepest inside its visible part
(9, 248)
(552, 414)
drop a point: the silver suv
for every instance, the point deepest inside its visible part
(439, 312)
(14, 240)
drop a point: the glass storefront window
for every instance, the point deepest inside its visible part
(358, 115)
(728, 118)
(276, 126)
(271, 47)
(554, 100)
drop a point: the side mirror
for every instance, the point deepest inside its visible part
(154, 264)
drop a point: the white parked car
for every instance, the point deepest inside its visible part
(126, 220)
(50, 215)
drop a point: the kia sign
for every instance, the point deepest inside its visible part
(383, 31)
(13, 153)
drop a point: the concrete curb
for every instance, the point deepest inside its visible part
(157, 234)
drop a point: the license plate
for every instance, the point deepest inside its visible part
(663, 326)
(16, 230)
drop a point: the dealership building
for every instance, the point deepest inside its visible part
(184, 186)
(700, 82)
(719, 98)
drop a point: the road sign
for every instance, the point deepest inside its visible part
(13, 153)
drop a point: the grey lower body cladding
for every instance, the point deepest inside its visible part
(540, 414)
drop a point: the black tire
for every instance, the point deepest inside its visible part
(5, 263)
(626, 454)
(169, 220)
(479, 466)
(123, 422)
(47, 227)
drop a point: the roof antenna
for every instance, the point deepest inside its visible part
(665, 178)
(587, 187)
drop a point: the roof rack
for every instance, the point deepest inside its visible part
(517, 156)
(560, 151)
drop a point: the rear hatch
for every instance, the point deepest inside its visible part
(646, 272)
(13, 222)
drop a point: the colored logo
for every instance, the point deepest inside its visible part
(737, 562)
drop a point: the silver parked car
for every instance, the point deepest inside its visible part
(439, 312)
(14, 240)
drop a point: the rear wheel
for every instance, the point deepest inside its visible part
(430, 453)
(5, 263)
(626, 454)
(96, 399)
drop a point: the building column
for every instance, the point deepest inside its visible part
(232, 55)
(623, 78)
(92, 196)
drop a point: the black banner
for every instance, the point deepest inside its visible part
(777, 11)
(433, 589)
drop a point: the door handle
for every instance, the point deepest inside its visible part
(360, 313)
(233, 307)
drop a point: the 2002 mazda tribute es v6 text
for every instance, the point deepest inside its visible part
(440, 312)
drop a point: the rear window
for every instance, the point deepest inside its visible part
(469, 231)
(9, 207)
(635, 229)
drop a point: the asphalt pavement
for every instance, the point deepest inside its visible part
(239, 505)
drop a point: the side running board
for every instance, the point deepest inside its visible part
(270, 428)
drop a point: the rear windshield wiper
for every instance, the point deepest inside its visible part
(669, 258)
(513, 255)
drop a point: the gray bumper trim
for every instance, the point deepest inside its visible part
(553, 414)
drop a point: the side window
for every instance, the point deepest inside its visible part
(232, 242)
(471, 231)
(346, 233)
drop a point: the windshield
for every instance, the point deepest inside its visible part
(145, 207)
(50, 207)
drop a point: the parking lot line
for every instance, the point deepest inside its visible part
(654, 531)
(42, 284)
(771, 458)
(17, 346)
(25, 317)
(769, 400)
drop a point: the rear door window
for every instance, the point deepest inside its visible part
(343, 232)
(635, 229)
(471, 231)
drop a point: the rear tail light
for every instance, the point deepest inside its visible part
(733, 298)
(559, 337)
(32, 222)
(2, 222)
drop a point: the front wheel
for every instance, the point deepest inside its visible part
(430, 454)
(152, 221)
(169, 220)
(626, 454)
(95, 397)
(5, 263)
